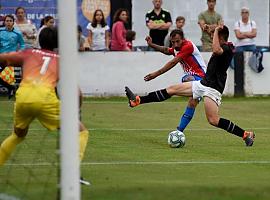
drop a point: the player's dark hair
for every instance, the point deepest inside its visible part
(48, 38)
(45, 20)
(177, 32)
(224, 33)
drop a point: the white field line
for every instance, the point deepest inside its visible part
(143, 129)
(123, 102)
(264, 162)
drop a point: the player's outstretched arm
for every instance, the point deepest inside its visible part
(169, 65)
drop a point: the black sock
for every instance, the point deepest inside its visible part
(230, 127)
(157, 96)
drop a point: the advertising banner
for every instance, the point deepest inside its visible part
(35, 9)
(38, 9)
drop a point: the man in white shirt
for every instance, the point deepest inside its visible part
(245, 32)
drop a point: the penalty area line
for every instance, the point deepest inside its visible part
(143, 129)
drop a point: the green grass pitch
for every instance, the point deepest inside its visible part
(128, 157)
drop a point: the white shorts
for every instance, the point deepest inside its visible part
(200, 91)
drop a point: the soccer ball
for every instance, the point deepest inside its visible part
(176, 139)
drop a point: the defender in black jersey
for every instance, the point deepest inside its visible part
(210, 88)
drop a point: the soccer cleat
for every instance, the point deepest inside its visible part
(84, 182)
(133, 99)
(249, 137)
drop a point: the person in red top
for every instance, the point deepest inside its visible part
(36, 96)
(118, 39)
(187, 54)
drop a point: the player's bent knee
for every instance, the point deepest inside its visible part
(172, 90)
(21, 132)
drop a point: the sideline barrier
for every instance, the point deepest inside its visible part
(106, 73)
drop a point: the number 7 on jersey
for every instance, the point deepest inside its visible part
(45, 65)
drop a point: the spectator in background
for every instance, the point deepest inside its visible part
(81, 39)
(2, 18)
(130, 36)
(208, 21)
(179, 24)
(47, 21)
(27, 28)
(120, 20)
(11, 39)
(158, 21)
(99, 35)
(245, 32)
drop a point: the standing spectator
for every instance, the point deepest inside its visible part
(158, 21)
(99, 35)
(47, 21)
(130, 36)
(179, 24)
(208, 21)
(27, 28)
(11, 39)
(2, 18)
(245, 32)
(120, 19)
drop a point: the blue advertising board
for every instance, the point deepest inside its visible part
(35, 9)
(38, 9)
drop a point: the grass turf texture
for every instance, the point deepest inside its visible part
(128, 156)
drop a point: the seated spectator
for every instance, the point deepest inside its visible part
(130, 36)
(245, 32)
(81, 39)
(99, 35)
(179, 24)
(120, 20)
(27, 28)
(47, 21)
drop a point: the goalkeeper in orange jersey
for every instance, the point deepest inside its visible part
(36, 96)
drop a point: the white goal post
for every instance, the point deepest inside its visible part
(69, 140)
